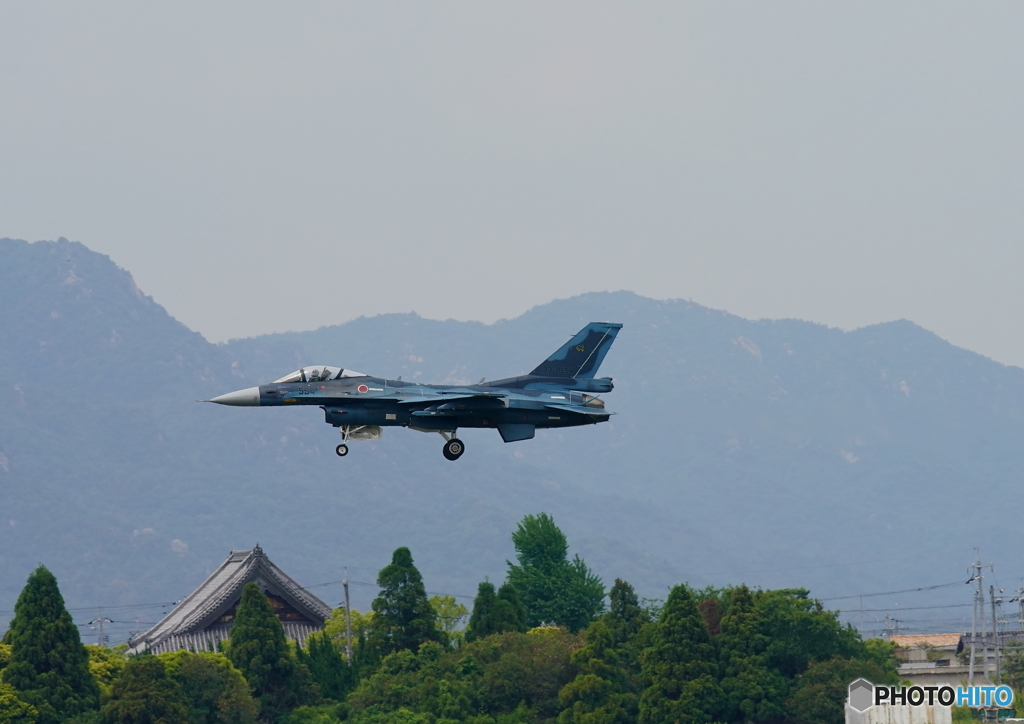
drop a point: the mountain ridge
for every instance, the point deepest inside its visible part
(740, 447)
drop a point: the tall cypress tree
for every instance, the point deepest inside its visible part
(49, 665)
(680, 670)
(483, 609)
(495, 613)
(753, 690)
(402, 615)
(625, 616)
(509, 612)
(259, 650)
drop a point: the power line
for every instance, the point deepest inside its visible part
(890, 593)
(117, 608)
(901, 608)
(374, 585)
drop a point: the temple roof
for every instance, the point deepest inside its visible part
(218, 593)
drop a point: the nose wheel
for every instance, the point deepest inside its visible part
(342, 450)
(453, 449)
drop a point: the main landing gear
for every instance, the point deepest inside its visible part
(453, 446)
(342, 450)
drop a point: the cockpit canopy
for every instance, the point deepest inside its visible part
(318, 373)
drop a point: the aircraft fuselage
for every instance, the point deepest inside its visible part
(560, 392)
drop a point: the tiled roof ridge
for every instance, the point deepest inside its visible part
(224, 591)
(224, 584)
(154, 634)
(296, 590)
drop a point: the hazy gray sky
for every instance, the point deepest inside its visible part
(264, 167)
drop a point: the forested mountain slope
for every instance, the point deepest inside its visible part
(772, 452)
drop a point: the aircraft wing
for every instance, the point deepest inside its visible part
(579, 409)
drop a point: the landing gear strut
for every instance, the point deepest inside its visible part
(342, 449)
(453, 447)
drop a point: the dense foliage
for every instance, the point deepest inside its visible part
(215, 692)
(552, 588)
(145, 693)
(49, 666)
(734, 656)
(495, 612)
(259, 649)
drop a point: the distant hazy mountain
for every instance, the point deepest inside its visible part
(772, 452)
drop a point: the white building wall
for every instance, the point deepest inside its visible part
(900, 714)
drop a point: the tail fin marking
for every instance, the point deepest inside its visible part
(581, 355)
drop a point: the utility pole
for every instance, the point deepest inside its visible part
(98, 623)
(995, 631)
(977, 608)
(348, 621)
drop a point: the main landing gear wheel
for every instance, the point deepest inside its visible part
(342, 450)
(454, 448)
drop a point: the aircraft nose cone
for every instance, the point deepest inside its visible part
(242, 398)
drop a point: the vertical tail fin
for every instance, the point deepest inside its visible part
(581, 355)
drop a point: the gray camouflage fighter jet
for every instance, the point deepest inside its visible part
(560, 392)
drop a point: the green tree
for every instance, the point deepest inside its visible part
(259, 650)
(49, 665)
(106, 665)
(13, 710)
(327, 666)
(625, 617)
(496, 612)
(361, 625)
(480, 622)
(508, 678)
(509, 612)
(603, 692)
(800, 631)
(144, 694)
(551, 587)
(753, 690)
(364, 659)
(450, 615)
(679, 668)
(402, 616)
(609, 686)
(819, 696)
(214, 690)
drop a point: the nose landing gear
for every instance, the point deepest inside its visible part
(346, 433)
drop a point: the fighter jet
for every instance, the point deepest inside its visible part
(560, 392)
